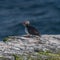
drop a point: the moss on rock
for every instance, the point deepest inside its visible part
(39, 56)
(5, 39)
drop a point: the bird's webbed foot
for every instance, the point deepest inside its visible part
(27, 36)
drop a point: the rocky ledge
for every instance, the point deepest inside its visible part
(23, 45)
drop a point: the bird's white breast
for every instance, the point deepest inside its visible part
(26, 30)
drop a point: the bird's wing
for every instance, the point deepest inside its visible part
(33, 30)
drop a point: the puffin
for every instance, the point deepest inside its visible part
(30, 30)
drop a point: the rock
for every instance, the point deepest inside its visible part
(21, 44)
(6, 57)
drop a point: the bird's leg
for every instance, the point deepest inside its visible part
(28, 35)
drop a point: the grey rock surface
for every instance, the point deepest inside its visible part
(24, 44)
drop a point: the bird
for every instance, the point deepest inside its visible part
(30, 30)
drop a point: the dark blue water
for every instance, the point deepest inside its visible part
(43, 14)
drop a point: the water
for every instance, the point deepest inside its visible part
(43, 14)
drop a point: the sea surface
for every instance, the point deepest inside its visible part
(43, 14)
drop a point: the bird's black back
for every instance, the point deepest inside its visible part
(32, 30)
